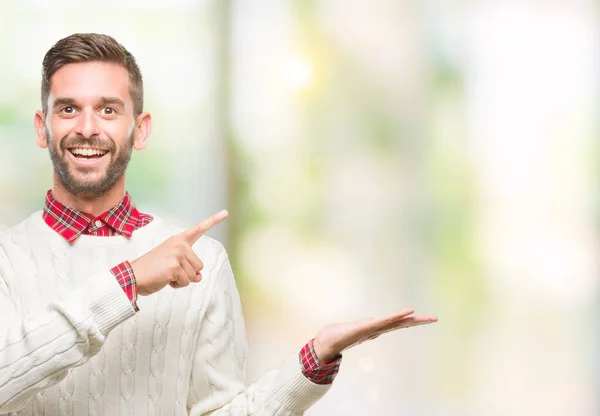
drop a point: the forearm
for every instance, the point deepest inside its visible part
(282, 392)
(36, 351)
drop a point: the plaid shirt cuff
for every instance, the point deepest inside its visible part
(126, 278)
(313, 370)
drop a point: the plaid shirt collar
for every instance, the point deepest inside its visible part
(122, 219)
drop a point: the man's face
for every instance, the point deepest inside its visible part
(89, 126)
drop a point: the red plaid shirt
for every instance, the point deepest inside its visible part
(124, 219)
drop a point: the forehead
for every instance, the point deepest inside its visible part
(90, 80)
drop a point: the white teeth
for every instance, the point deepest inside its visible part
(88, 152)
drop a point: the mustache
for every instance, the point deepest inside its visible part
(80, 141)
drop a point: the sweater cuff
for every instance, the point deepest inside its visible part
(296, 393)
(106, 301)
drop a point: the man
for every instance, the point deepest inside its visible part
(107, 310)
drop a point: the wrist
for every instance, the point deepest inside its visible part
(324, 352)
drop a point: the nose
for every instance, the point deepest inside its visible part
(87, 125)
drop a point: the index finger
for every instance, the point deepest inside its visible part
(191, 235)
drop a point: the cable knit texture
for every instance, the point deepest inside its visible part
(71, 343)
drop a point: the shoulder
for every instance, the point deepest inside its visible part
(23, 225)
(19, 234)
(15, 244)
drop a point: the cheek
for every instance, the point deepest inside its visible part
(60, 128)
(119, 133)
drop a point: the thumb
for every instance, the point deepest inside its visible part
(191, 235)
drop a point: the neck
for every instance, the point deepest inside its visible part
(91, 205)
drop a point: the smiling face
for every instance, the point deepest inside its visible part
(90, 127)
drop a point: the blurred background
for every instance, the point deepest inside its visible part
(373, 155)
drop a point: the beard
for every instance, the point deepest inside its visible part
(90, 186)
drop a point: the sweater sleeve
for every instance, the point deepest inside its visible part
(37, 350)
(217, 382)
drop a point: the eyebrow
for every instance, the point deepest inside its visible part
(103, 100)
(112, 101)
(63, 101)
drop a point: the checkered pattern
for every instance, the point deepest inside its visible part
(122, 219)
(126, 278)
(313, 370)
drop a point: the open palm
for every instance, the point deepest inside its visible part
(332, 339)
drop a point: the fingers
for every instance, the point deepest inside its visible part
(405, 315)
(183, 277)
(191, 235)
(375, 323)
(373, 327)
(189, 268)
(380, 327)
(402, 314)
(417, 319)
(190, 272)
(406, 322)
(174, 285)
(195, 262)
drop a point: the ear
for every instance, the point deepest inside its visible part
(143, 127)
(39, 122)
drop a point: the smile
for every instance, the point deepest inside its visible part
(87, 156)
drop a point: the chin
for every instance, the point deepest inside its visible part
(89, 191)
(84, 186)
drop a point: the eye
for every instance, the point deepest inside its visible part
(68, 110)
(108, 111)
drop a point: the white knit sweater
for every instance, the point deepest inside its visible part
(71, 343)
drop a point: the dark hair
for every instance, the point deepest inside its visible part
(92, 47)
